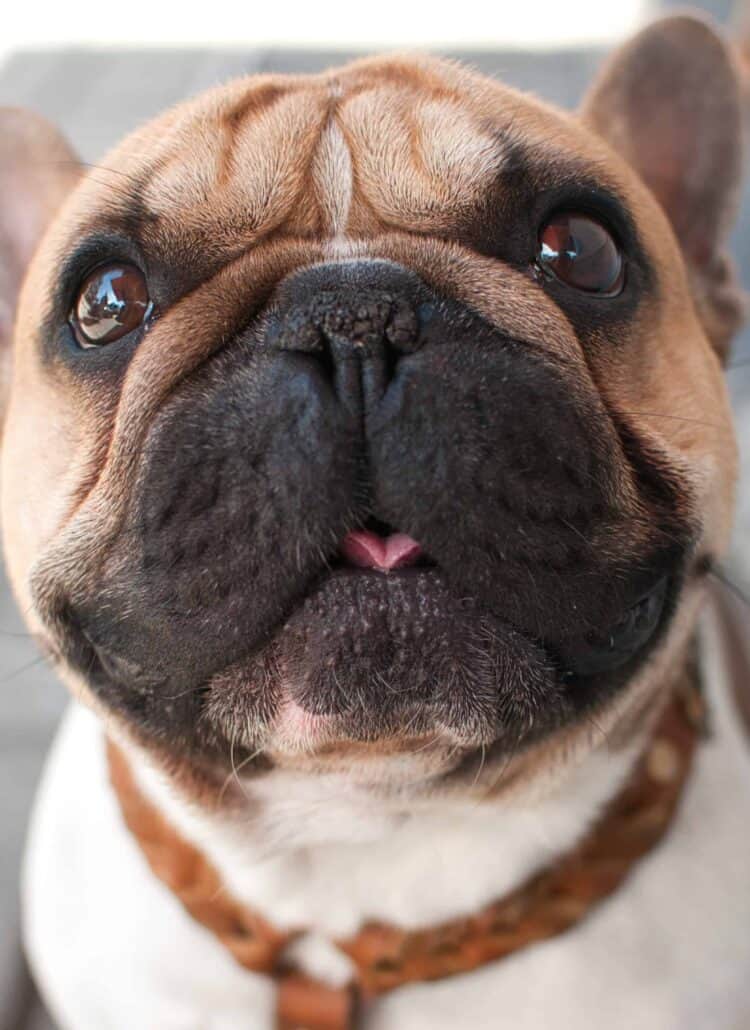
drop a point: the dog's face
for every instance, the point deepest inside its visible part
(374, 420)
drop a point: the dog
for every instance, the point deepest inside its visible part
(366, 458)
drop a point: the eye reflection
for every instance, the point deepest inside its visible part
(580, 252)
(112, 301)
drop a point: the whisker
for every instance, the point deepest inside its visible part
(77, 163)
(117, 189)
(675, 418)
(737, 364)
(721, 576)
(38, 660)
(481, 766)
(428, 744)
(600, 729)
(184, 693)
(499, 776)
(236, 770)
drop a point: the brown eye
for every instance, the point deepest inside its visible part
(111, 302)
(580, 252)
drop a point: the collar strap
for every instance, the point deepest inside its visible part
(386, 957)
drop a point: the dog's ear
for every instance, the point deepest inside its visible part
(670, 102)
(37, 170)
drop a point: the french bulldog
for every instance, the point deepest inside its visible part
(366, 457)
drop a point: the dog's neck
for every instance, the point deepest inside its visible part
(381, 956)
(318, 853)
(321, 853)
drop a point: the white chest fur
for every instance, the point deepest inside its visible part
(113, 949)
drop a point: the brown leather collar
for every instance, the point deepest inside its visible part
(386, 957)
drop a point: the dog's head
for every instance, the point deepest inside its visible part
(375, 420)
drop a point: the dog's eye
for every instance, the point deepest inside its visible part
(581, 253)
(111, 302)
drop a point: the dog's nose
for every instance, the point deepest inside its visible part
(357, 318)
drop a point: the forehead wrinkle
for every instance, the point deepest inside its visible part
(418, 158)
(199, 155)
(426, 153)
(228, 183)
(225, 115)
(332, 176)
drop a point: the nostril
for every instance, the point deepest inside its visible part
(357, 320)
(426, 312)
(403, 326)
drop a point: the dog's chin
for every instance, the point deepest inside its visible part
(393, 677)
(374, 658)
(316, 745)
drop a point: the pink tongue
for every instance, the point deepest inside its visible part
(367, 550)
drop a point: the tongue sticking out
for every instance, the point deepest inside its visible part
(367, 550)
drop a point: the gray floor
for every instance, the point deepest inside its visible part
(96, 98)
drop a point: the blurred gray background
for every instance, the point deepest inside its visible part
(96, 97)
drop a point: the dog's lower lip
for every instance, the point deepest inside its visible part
(297, 731)
(351, 621)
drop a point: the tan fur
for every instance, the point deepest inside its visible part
(390, 157)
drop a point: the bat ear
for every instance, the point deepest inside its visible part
(670, 101)
(37, 170)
